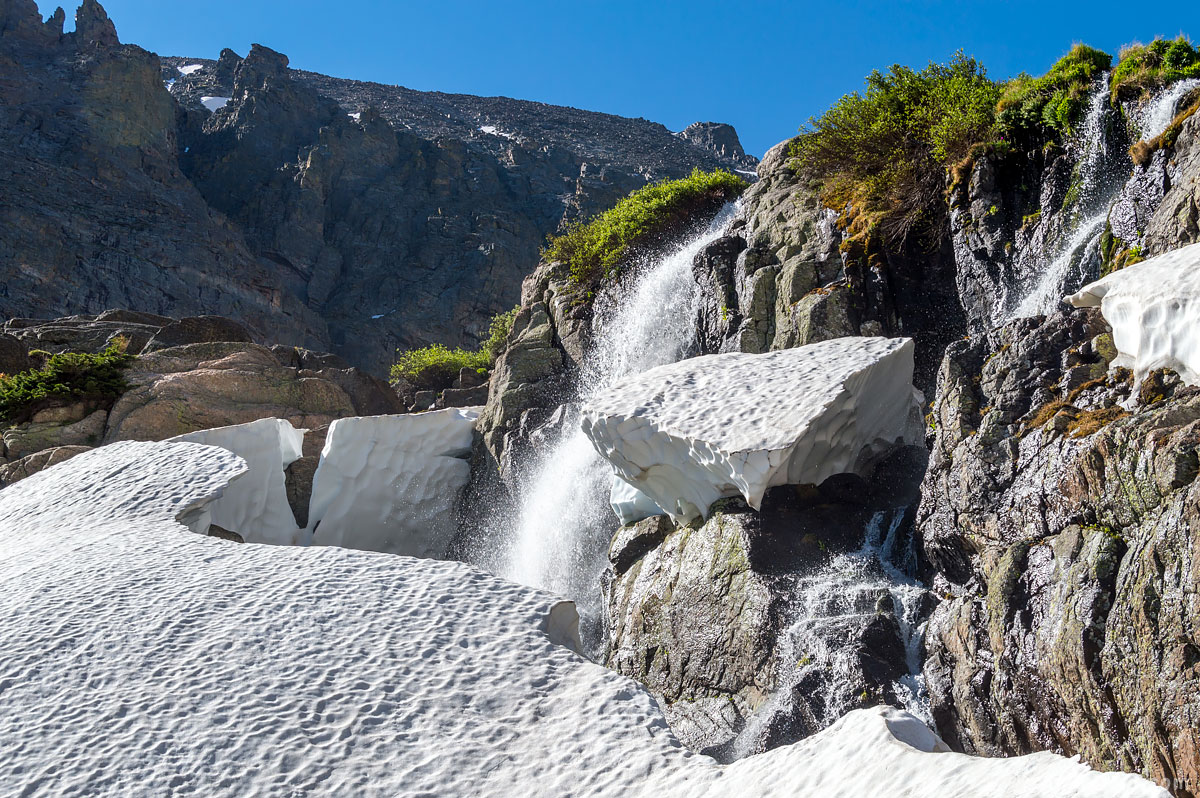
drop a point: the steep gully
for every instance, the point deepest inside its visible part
(558, 531)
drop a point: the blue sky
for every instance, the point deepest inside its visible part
(764, 67)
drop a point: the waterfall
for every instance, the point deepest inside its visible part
(559, 538)
(1074, 262)
(829, 605)
(1157, 114)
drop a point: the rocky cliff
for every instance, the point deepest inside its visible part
(1037, 592)
(319, 212)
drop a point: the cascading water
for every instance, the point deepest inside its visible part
(1074, 262)
(1158, 113)
(559, 538)
(825, 609)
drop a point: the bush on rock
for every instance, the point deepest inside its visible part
(66, 377)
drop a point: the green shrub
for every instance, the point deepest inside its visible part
(64, 378)
(1144, 68)
(596, 249)
(1033, 110)
(435, 367)
(498, 332)
(886, 150)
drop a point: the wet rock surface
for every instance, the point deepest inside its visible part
(706, 615)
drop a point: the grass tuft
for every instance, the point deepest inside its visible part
(597, 249)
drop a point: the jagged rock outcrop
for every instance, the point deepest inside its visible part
(98, 213)
(794, 284)
(712, 616)
(1176, 221)
(1063, 527)
(258, 198)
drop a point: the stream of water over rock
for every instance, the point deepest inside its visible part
(559, 538)
(1076, 260)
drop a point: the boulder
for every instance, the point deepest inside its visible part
(30, 464)
(198, 330)
(201, 386)
(14, 355)
(683, 435)
(28, 438)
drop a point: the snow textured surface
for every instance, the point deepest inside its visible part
(256, 506)
(1153, 308)
(686, 434)
(214, 103)
(390, 483)
(138, 659)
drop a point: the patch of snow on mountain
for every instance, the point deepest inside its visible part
(139, 659)
(688, 433)
(1154, 310)
(213, 103)
(492, 130)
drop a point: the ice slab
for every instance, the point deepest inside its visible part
(683, 435)
(167, 663)
(390, 483)
(256, 506)
(1153, 308)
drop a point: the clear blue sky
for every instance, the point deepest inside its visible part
(764, 67)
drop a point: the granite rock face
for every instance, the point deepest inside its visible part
(247, 190)
(745, 625)
(1060, 514)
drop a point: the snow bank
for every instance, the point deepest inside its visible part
(188, 69)
(138, 659)
(256, 506)
(214, 103)
(390, 483)
(1153, 308)
(683, 435)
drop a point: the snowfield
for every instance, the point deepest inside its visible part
(139, 658)
(684, 435)
(1154, 310)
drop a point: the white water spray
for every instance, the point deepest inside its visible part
(1158, 113)
(560, 538)
(1071, 264)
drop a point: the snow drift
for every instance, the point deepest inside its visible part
(683, 435)
(139, 659)
(256, 506)
(390, 483)
(1153, 308)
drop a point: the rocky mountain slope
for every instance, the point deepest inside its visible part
(410, 222)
